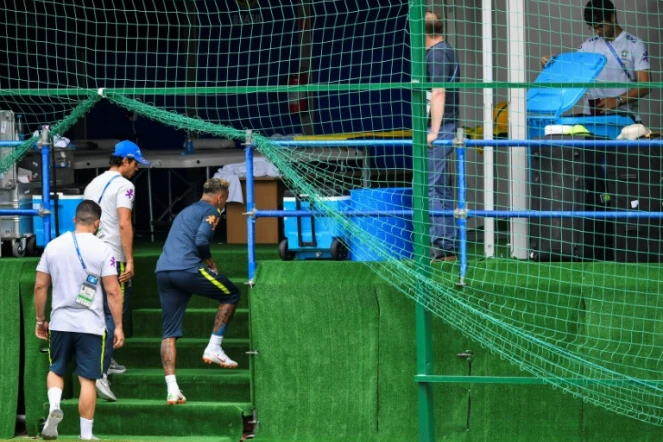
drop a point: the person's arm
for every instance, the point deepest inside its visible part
(437, 101)
(42, 283)
(203, 238)
(127, 240)
(125, 204)
(642, 79)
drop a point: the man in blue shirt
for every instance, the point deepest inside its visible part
(442, 67)
(186, 267)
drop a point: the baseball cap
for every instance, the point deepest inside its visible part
(128, 149)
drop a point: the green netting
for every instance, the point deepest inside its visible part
(587, 319)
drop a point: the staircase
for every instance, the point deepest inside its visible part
(217, 398)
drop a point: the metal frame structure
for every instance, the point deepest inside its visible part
(45, 212)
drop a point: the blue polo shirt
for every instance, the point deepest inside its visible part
(188, 242)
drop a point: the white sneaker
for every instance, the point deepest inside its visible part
(50, 431)
(115, 368)
(175, 398)
(103, 389)
(218, 357)
(92, 438)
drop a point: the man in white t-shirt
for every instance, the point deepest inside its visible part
(113, 191)
(76, 264)
(628, 62)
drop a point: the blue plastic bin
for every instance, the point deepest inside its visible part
(317, 235)
(393, 232)
(546, 106)
(67, 205)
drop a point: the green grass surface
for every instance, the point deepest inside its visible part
(10, 329)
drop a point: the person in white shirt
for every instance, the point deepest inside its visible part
(76, 264)
(113, 191)
(627, 62)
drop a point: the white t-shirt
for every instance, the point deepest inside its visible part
(633, 53)
(60, 260)
(119, 193)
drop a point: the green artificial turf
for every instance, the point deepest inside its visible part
(10, 331)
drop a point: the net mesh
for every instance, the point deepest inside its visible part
(573, 300)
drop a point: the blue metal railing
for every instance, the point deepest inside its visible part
(461, 213)
(45, 211)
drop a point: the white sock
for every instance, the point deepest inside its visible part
(86, 428)
(171, 383)
(54, 396)
(214, 343)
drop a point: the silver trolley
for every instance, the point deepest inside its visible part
(17, 230)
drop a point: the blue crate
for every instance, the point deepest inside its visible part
(609, 126)
(327, 230)
(67, 205)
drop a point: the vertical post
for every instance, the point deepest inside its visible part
(420, 217)
(518, 176)
(488, 153)
(46, 182)
(250, 219)
(461, 213)
(149, 201)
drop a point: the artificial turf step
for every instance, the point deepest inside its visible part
(147, 296)
(135, 438)
(146, 353)
(198, 323)
(201, 385)
(156, 418)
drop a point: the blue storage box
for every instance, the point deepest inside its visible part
(545, 106)
(394, 233)
(308, 237)
(67, 205)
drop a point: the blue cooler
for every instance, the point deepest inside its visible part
(545, 106)
(67, 205)
(394, 233)
(310, 237)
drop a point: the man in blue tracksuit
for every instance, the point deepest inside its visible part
(186, 267)
(442, 67)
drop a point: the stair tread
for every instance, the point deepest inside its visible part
(183, 373)
(160, 402)
(188, 310)
(185, 341)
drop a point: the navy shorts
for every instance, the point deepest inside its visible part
(177, 287)
(88, 350)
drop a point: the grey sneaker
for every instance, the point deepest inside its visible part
(116, 368)
(103, 389)
(50, 431)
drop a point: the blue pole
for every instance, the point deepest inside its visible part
(19, 212)
(10, 143)
(46, 187)
(462, 218)
(250, 220)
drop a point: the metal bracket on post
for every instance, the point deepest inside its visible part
(43, 136)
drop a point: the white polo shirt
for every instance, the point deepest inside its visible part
(61, 261)
(633, 54)
(120, 193)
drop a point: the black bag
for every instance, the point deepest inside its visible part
(567, 179)
(634, 181)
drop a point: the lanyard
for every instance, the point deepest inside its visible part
(104, 191)
(619, 60)
(78, 251)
